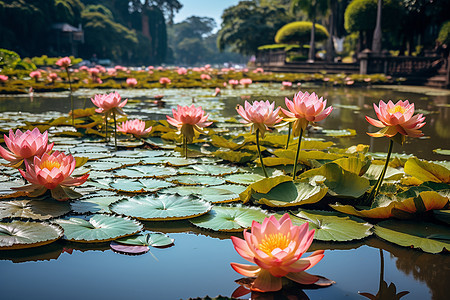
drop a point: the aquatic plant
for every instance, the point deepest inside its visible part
(276, 247)
(304, 109)
(24, 146)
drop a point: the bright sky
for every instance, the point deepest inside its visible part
(203, 8)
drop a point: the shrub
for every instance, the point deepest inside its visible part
(300, 33)
(444, 33)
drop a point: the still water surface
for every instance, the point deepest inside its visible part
(198, 264)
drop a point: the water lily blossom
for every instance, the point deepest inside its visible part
(64, 62)
(245, 82)
(276, 247)
(165, 81)
(260, 115)
(397, 122)
(109, 104)
(52, 172)
(3, 78)
(187, 119)
(131, 82)
(135, 127)
(35, 75)
(25, 145)
(304, 108)
(396, 118)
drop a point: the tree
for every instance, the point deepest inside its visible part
(312, 8)
(299, 33)
(246, 26)
(361, 15)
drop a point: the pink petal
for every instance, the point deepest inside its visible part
(246, 270)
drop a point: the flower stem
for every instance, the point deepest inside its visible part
(106, 129)
(297, 154)
(71, 96)
(289, 135)
(185, 146)
(377, 185)
(259, 153)
(115, 130)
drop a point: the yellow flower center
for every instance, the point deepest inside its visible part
(50, 165)
(397, 109)
(274, 241)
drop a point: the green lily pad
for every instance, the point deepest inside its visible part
(427, 171)
(20, 235)
(221, 193)
(104, 165)
(230, 218)
(281, 191)
(33, 209)
(96, 204)
(374, 172)
(442, 151)
(196, 179)
(209, 170)
(154, 171)
(244, 178)
(339, 181)
(140, 185)
(183, 190)
(429, 237)
(150, 239)
(357, 165)
(239, 157)
(98, 228)
(163, 208)
(339, 133)
(333, 226)
(443, 215)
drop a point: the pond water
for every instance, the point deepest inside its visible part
(198, 263)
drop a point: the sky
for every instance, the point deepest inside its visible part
(203, 8)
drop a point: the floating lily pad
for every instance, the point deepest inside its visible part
(33, 209)
(163, 208)
(196, 179)
(443, 215)
(333, 226)
(244, 178)
(98, 228)
(374, 172)
(20, 235)
(221, 193)
(442, 151)
(140, 185)
(427, 171)
(281, 191)
(209, 170)
(140, 243)
(339, 181)
(429, 237)
(229, 218)
(97, 204)
(183, 190)
(155, 171)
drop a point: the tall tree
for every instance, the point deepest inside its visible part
(247, 25)
(376, 43)
(313, 8)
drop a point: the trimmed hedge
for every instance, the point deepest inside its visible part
(444, 33)
(300, 33)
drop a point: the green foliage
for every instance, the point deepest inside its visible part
(361, 15)
(300, 33)
(8, 59)
(247, 26)
(444, 33)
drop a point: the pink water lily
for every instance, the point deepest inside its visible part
(131, 82)
(187, 119)
(64, 62)
(135, 127)
(109, 103)
(305, 108)
(52, 172)
(25, 145)
(165, 81)
(276, 247)
(3, 78)
(396, 118)
(260, 115)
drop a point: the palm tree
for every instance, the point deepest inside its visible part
(312, 8)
